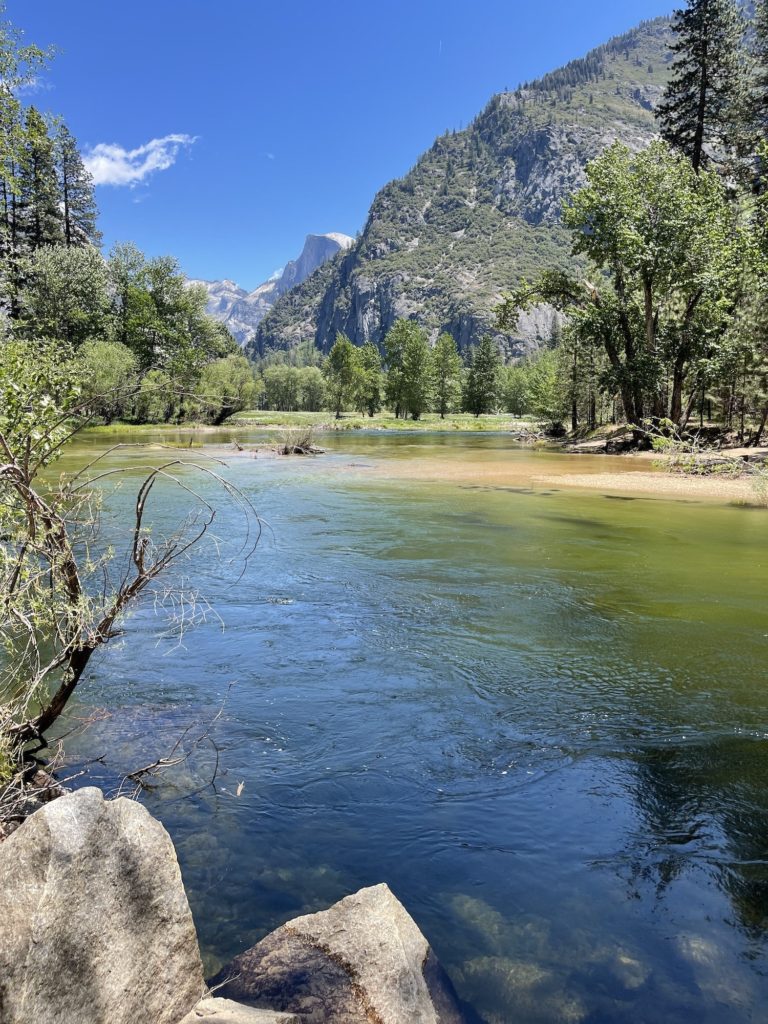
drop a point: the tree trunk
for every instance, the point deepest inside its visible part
(701, 111)
(688, 410)
(676, 413)
(759, 433)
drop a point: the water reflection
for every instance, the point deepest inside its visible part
(704, 807)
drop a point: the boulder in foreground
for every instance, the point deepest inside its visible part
(95, 927)
(363, 961)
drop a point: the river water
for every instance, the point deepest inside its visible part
(539, 714)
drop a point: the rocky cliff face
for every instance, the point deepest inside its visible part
(243, 311)
(481, 209)
(317, 250)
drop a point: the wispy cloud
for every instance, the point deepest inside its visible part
(111, 164)
(33, 86)
(270, 156)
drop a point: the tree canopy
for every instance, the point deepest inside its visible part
(668, 257)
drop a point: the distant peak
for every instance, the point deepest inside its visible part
(343, 241)
(242, 311)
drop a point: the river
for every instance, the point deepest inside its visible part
(539, 714)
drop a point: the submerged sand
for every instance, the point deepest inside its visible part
(634, 474)
(706, 488)
(529, 469)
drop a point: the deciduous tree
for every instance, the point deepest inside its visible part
(481, 392)
(669, 258)
(368, 399)
(408, 386)
(107, 371)
(226, 386)
(446, 374)
(342, 372)
(68, 296)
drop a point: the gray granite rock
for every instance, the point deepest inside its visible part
(95, 927)
(364, 961)
(224, 1011)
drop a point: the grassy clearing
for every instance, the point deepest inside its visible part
(382, 421)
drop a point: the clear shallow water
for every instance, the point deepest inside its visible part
(540, 716)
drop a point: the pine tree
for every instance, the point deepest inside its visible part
(39, 198)
(19, 64)
(759, 97)
(702, 105)
(481, 394)
(76, 188)
(11, 149)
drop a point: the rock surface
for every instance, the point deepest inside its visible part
(242, 311)
(95, 927)
(224, 1011)
(363, 961)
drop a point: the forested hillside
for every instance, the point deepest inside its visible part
(481, 209)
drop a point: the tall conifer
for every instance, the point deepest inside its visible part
(759, 105)
(701, 111)
(40, 202)
(78, 204)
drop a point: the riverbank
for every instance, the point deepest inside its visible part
(660, 484)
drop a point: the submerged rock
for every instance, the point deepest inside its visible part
(363, 961)
(527, 990)
(95, 927)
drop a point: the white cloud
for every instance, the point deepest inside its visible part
(111, 164)
(34, 85)
(277, 273)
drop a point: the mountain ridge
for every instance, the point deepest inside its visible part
(480, 209)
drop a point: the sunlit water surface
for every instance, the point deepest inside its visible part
(540, 715)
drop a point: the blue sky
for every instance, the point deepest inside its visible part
(232, 128)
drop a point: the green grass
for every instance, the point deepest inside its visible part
(256, 419)
(382, 421)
